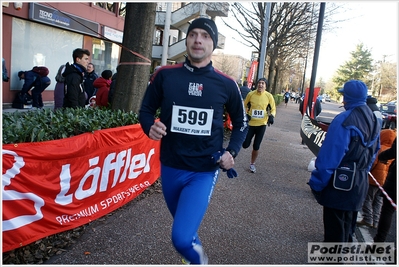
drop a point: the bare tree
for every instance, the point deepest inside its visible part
(292, 30)
(233, 66)
(389, 76)
(384, 77)
(134, 67)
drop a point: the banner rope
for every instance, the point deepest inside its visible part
(147, 60)
(383, 191)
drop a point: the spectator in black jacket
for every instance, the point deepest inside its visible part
(75, 93)
(317, 107)
(317, 110)
(112, 88)
(89, 78)
(244, 90)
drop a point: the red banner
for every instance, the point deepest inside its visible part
(251, 74)
(312, 132)
(227, 123)
(54, 186)
(316, 91)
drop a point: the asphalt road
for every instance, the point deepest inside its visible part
(263, 218)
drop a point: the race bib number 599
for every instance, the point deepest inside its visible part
(189, 120)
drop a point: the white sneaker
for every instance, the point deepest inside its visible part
(252, 168)
(184, 261)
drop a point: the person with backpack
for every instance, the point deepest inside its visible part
(339, 181)
(36, 79)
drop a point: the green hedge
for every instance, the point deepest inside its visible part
(278, 99)
(46, 124)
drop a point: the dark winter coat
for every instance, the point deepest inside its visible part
(90, 88)
(74, 96)
(353, 136)
(244, 91)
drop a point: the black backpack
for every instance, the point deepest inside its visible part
(22, 100)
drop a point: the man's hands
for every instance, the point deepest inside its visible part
(226, 162)
(157, 131)
(270, 121)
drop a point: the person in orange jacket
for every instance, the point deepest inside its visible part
(103, 84)
(372, 204)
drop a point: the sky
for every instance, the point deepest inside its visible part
(374, 23)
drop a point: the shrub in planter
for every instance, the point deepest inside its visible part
(46, 124)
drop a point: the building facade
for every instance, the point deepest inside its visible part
(47, 33)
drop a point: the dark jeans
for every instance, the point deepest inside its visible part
(384, 224)
(37, 91)
(337, 225)
(37, 100)
(387, 209)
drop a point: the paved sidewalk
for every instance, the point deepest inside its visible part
(263, 218)
(8, 108)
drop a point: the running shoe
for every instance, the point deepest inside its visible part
(252, 168)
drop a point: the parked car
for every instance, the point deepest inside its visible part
(328, 99)
(388, 111)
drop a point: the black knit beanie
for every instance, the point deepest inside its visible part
(265, 80)
(372, 103)
(207, 25)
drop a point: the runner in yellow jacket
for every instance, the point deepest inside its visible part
(261, 110)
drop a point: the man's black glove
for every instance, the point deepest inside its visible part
(270, 121)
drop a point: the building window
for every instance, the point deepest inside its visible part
(31, 47)
(110, 6)
(122, 9)
(105, 55)
(158, 37)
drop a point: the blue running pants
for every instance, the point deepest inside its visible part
(187, 195)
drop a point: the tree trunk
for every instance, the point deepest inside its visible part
(272, 75)
(134, 70)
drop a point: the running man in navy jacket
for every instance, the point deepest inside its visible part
(192, 97)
